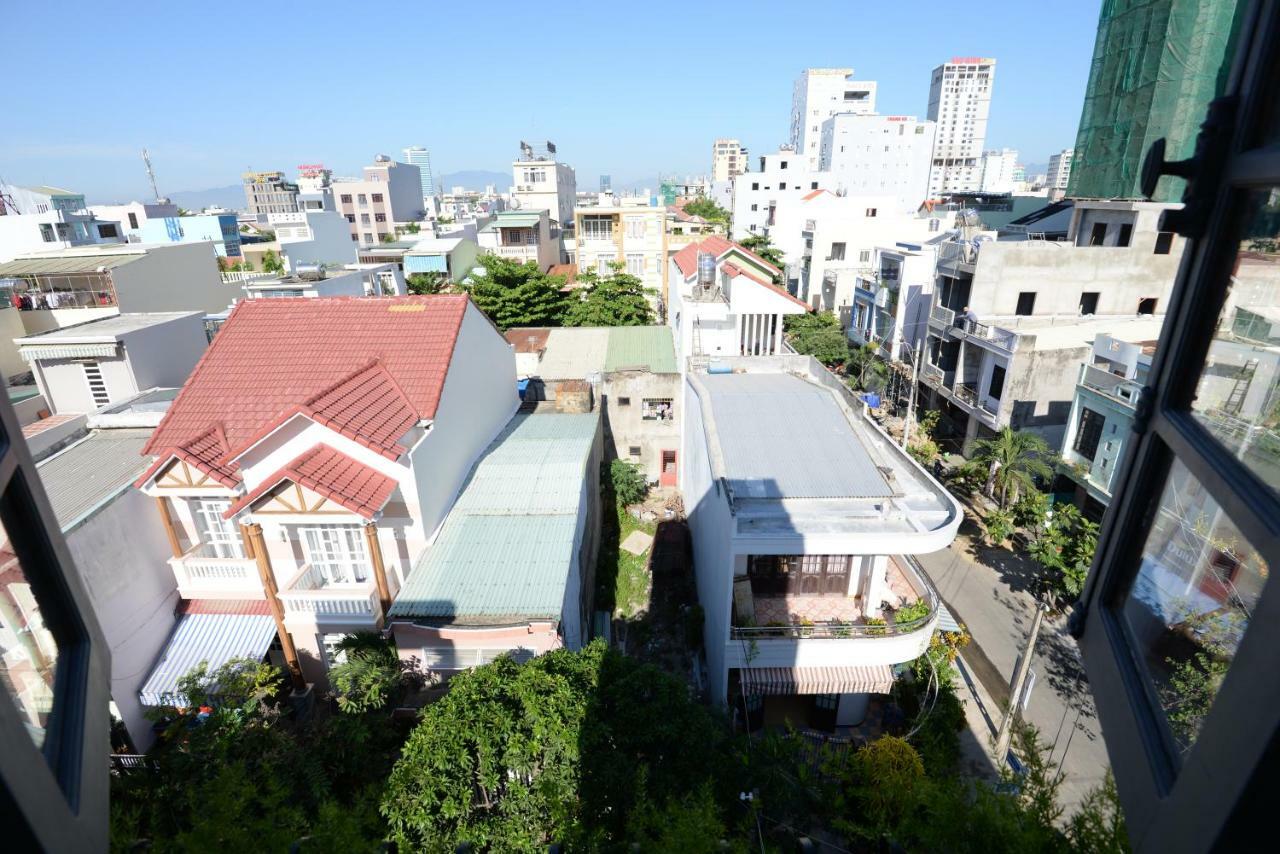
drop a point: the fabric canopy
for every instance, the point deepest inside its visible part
(876, 679)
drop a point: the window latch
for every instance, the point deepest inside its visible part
(1202, 170)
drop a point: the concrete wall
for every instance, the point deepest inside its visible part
(710, 527)
(1046, 379)
(626, 425)
(178, 277)
(1058, 273)
(11, 327)
(330, 241)
(121, 554)
(163, 355)
(64, 385)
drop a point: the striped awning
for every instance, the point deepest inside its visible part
(211, 638)
(876, 679)
(946, 621)
(69, 351)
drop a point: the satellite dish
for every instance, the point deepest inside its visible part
(515, 203)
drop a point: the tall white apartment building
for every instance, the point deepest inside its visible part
(819, 94)
(541, 183)
(1059, 169)
(959, 101)
(879, 155)
(418, 156)
(1000, 171)
(783, 180)
(728, 158)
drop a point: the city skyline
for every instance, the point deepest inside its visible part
(203, 118)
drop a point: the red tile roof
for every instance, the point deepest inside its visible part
(224, 606)
(735, 270)
(368, 367)
(334, 475)
(687, 258)
(528, 339)
(812, 195)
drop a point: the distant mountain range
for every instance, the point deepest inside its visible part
(230, 197)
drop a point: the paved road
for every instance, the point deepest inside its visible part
(990, 598)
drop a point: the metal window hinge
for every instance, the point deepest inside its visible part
(1202, 170)
(1142, 410)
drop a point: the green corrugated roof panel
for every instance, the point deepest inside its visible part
(507, 545)
(492, 566)
(648, 347)
(507, 219)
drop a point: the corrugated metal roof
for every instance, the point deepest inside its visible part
(648, 347)
(574, 353)
(211, 638)
(512, 220)
(72, 264)
(506, 547)
(756, 416)
(94, 470)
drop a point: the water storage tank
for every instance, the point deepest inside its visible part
(706, 270)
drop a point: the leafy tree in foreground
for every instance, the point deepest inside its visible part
(1064, 546)
(1014, 459)
(371, 677)
(618, 299)
(516, 294)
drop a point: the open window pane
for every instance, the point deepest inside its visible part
(1238, 396)
(28, 651)
(1191, 602)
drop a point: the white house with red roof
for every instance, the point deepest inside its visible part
(315, 452)
(733, 308)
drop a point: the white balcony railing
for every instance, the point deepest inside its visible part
(526, 251)
(308, 593)
(202, 575)
(1113, 386)
(932, 374)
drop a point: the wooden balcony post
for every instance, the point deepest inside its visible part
(253, 534)
(174, 542)
(379, 569)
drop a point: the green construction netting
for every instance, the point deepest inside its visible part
(1156, 66)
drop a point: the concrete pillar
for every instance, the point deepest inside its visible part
(737, 332)
(878, 585)
(970, 435)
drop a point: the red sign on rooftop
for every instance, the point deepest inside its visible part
(970, 60)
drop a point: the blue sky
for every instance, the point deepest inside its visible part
(625, 89)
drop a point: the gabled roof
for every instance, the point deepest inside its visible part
(367, 367)
(687, 258)
(735, 270)
(344, 481)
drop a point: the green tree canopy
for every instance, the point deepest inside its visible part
(707, 209)
(516, 294)
(618, 299)
(819, 335)
(271, 262)
(1014, 459)
(762, 246)
(427, 283)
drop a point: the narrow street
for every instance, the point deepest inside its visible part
(987, 590)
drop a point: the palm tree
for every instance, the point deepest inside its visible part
(1014, 460)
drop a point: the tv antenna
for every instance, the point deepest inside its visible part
(146, 158)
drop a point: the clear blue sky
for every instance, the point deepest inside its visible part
(626, 89)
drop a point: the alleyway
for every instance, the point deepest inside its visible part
(988, 590)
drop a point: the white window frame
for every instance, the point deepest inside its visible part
(218, 536)
(336, 552)
(635, 264)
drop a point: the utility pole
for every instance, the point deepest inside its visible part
(1019, 684)
(911, 398)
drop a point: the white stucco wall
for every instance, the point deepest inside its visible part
(173, 277)
(163, 355)
(478, 400)
(121, 554)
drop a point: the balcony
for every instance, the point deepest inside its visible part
(932, 375)
(1113, 386)
(1001, 338)
(202, 574)
(310, 594)
(795, 616)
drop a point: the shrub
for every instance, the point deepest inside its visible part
(925, 451)
(999, 526)
(629, 484)
(917, 610)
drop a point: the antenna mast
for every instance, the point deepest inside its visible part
(146, 158)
